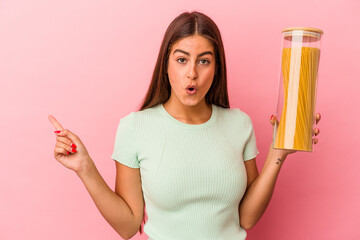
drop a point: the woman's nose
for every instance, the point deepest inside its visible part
(192, 73)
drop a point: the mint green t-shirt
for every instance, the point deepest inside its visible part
(193, 176)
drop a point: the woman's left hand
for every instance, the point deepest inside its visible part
(316, 131)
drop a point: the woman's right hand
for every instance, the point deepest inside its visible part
(69, 150)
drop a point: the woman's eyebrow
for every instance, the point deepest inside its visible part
(186, 53)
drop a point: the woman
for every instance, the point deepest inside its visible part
(185, 154)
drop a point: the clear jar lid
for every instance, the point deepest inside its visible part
(309, 34)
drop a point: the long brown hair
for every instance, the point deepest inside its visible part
(187, 24)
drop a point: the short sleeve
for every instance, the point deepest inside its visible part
(250, 149)
(125, 147)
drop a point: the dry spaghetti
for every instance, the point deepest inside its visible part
(299, 73)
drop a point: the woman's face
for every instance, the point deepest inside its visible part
(191, 69)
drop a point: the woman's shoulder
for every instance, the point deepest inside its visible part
(148, 113)
(235, 125)
(141, 117)
(141, 113)
(233, 114)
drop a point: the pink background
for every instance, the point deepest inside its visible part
(89, 63)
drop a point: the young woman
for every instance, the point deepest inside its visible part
(186, 155)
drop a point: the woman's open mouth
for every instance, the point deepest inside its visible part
(191, 90)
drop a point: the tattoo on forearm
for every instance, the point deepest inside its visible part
(278, 160)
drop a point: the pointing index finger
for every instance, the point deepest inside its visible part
(55, 123)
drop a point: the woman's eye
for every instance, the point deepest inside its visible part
(204, 61)
(181, 60)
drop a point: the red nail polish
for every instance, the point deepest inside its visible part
(271, 117)
(73, 145)
(73, 150)
(67, 152)
(57, 131)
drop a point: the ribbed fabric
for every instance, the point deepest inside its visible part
(193, 176)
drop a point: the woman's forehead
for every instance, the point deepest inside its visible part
(193, 44)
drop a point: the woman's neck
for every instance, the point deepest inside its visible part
(196, 114)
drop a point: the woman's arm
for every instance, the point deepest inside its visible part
(122, 209)
(260, 188)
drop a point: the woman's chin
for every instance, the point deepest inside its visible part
(191, 103)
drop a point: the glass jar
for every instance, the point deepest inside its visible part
(297, 89)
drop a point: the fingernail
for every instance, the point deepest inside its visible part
(73, 145)
(318, 118)
(67, 152)
(318, 130)
(271, 117)
(57, 131)
(73, 150)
